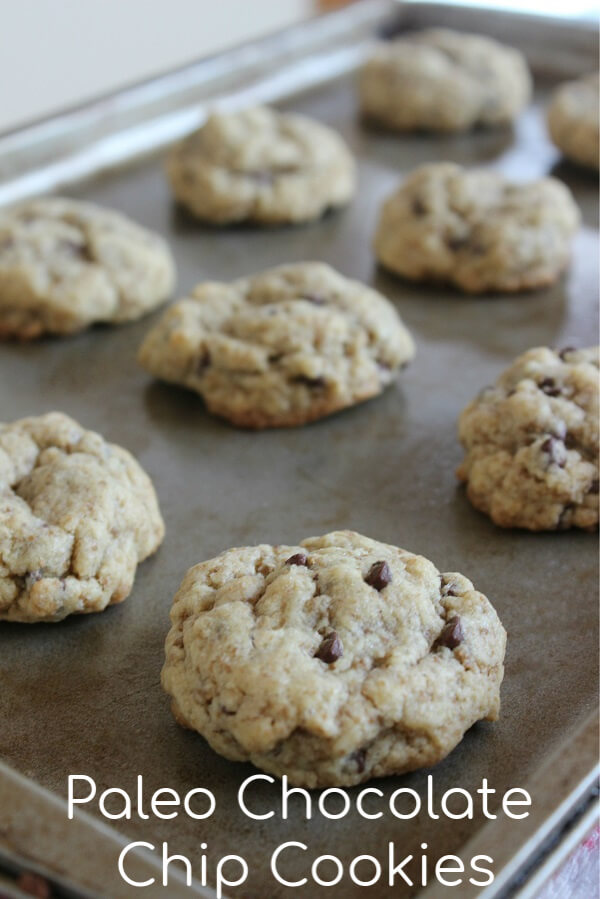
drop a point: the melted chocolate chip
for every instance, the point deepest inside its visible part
(203, 362)
(556, 450)
(418, 207)
(548, 386)
(76, 250)
(594, 486)
(297, 559)
(314, 383)
(452, 634)
(331, 649)
(456, 243)
(565, 351)
(360, 757)
(378, 575)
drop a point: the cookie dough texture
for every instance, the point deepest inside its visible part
(77, 514)
(282, 348)
(262, 166)
(442, 80)
(531, 442)
(65, 265)
(476, 230)
(574, 120)
(287, 657)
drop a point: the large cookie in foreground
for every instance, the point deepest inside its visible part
(334, 661)
(531, 442)
(77, 515)
(65, 265)
(261, 166)
(282, 348)
(477, 230)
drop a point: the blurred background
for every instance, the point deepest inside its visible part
(56, 53)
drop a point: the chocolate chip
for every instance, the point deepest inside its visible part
(315, 298)
(556, 450)
(378, 575)
(76, 250)
(297, 559)
(418, 207)
(331, 649)
(203, 362)
(548, 386)
(565, 351)
(594, 486)
(452, 634)
(456, 243)
(360, 757)
(314, 383)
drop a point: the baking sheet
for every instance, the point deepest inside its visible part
(84, 696)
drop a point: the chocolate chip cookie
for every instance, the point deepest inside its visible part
(65, 265)
(574, 120)
(476, 230)
(77, 515)
(282, 348)
(531, 442)
(442, 80)
(262, 166)
(333, 661)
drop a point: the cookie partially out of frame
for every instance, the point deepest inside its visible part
(65, 265)
(334, 661)
(476, 229)
(262, 166)
(281, 348)
(443, 80)
(77, 515)
(574, 120)
(531, 442)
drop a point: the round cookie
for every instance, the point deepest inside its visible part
(65, 265)
(281, 348)
(476, 230)
(574, 120)
(262, 166)
(331, 662)
(77, 515)
(442, 80)
(531, 442)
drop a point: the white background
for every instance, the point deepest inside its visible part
(54, 53)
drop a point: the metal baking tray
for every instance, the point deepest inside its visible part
(84, 696)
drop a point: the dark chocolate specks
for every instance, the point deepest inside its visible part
(378, 575)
